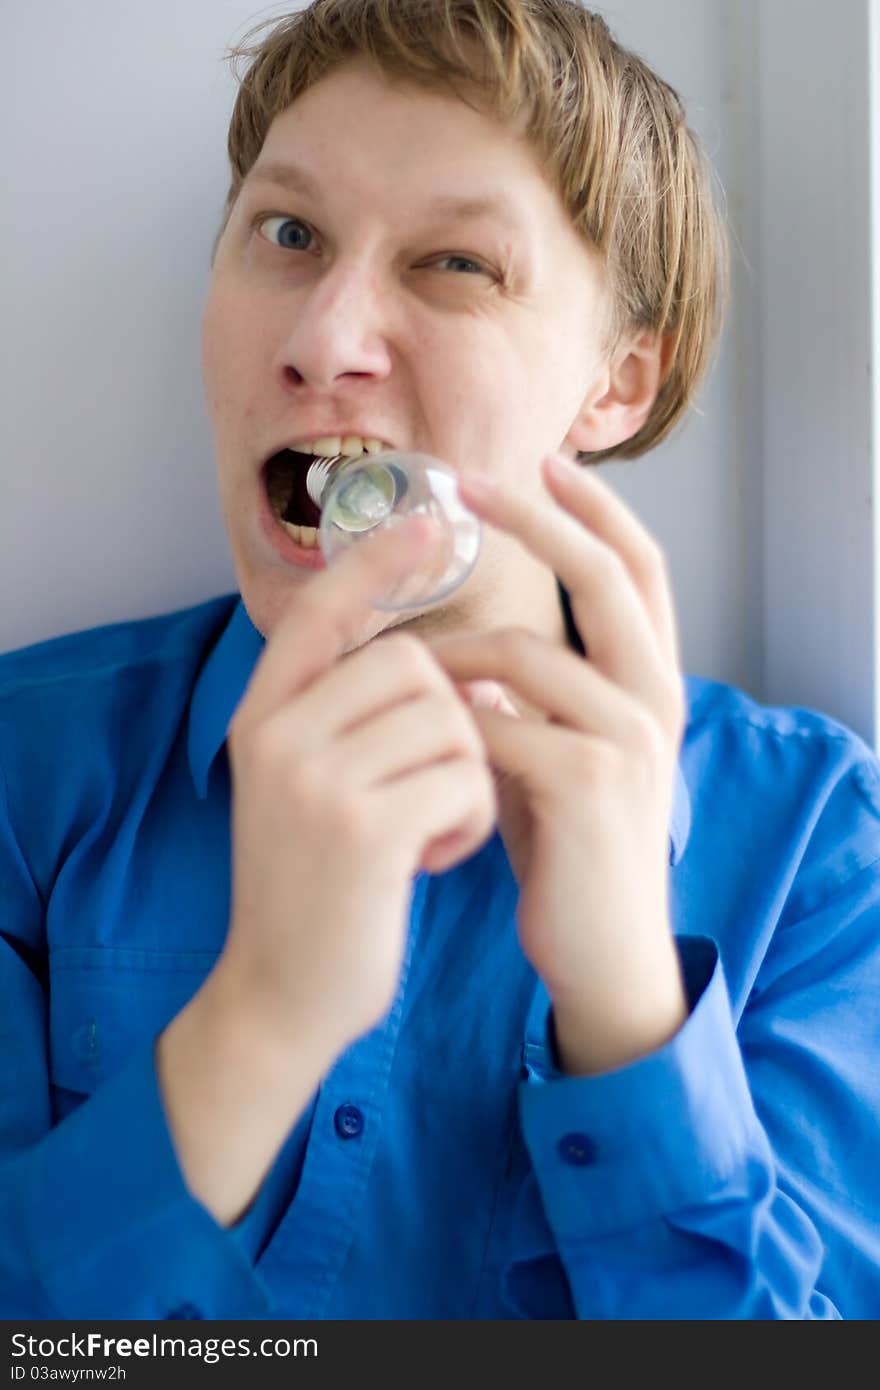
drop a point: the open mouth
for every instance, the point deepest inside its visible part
(294, 496)
(285, 475)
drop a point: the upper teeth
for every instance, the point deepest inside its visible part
(332, 444)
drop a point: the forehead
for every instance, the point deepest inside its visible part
(377, 134)
(360, 144)
(296, 179)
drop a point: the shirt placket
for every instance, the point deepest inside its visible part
(310, 1243)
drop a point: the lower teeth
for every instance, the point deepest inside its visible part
(303, 535)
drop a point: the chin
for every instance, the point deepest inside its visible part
(271, 590)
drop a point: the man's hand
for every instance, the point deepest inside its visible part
(585, 797)
(348, 775)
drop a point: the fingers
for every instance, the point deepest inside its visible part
(610, 612)
(482, 694)
(579, 489)
(326, 615)
(392, 668)
(448, 802)
(570, 690)
(419, 732)
(539, 758)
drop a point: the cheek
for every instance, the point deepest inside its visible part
(225, 348)
(511, 404)
(212, 350)
(482, 385)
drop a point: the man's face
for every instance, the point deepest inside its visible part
(359, 305)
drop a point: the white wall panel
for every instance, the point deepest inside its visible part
(114, 180)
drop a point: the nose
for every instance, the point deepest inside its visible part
(338, 328)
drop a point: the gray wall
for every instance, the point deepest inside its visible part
(115, 176)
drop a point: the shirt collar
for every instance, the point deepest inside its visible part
(223, 679)
(218, 691)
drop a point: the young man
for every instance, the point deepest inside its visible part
(465, 962)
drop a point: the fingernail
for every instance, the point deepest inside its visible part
(476, 486)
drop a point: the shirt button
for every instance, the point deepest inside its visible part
(577, 1148)
(186, 1310)
(348, 1121)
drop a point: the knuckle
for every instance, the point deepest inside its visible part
(354, 822)
(653, 559)
(409, 655)
(260, 746)
(306, 783)
(591, 760)
(647, 765)
(612, 565)
(644, 737)
(458, 719)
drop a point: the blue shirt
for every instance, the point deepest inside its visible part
(445, 1168)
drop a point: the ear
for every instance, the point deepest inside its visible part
(621, 397)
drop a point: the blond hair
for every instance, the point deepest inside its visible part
(610, 135)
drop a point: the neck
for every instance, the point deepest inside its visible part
(527, 599)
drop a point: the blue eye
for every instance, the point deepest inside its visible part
(287, 222)
(284, 244)
(466, 260)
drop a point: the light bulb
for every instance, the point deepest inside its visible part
(375, 492)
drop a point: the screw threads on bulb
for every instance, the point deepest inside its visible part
(321, 470)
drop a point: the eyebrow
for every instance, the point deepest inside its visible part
(296, 180)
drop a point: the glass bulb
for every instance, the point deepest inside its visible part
(374, 492)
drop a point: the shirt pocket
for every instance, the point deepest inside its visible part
(104, 1003)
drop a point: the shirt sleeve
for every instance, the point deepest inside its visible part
(730, 1174)
(95, 1217)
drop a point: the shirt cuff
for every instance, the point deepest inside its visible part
(113, 1231)
(611, 1152)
